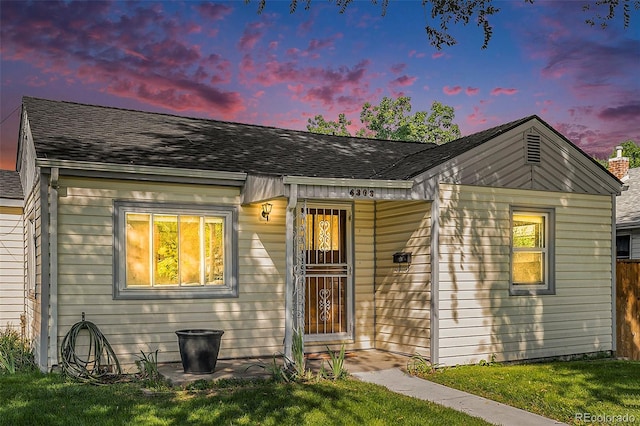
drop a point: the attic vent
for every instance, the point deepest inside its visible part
(533, 149)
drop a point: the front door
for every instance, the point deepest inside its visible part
(327, 278)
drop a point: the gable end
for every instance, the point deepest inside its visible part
(529, 156)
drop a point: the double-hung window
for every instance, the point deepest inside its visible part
(171, 251)
(532, 251)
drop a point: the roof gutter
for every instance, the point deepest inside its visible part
(625, 226)
(368, 183)
(137, 169)
(11, 202)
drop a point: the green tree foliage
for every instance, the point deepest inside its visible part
(392, 120)
(318, 124)
(631, 151)
(439, 14)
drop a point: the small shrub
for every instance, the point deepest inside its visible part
(336, 364)
(293, 370)
(490, 363)
(418, 365)
(148, 370)
(299, 364)
(278, 373)
(15, 353)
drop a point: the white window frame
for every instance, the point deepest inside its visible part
(228, 214)
(548, 286)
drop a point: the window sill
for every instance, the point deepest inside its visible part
(529, 291)
(185, 293)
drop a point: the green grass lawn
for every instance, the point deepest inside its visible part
(36, 399)
(558, 390)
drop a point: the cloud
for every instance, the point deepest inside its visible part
(472, 91)
(138, 53)
(333, 88)
(503, 91)
(629, 112)
(576, 56)
(305, 27)
(600, 141)
(319, 44)
(476, 118)
(452, 91)
(398, 68)
(253, 32)
(403, 81)
(545, 105)
(214, 11)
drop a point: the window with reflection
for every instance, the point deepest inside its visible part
(531, 251)
(168, 248)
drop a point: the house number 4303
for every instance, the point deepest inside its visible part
(361, 192)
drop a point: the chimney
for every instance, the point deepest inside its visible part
(619, 165)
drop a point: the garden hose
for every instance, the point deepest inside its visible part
(100, 360)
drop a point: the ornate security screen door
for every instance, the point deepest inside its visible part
(327, 262)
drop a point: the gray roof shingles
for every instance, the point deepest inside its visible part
(628, 202)
(87, 133)
(70, 131)
(10, 186)
(416, 163)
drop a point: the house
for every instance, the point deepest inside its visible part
(498, 244)
(11, 251)
(627, 207)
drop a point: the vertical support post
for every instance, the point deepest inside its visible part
(43, 331)
(435, 283)
(300, 269)
(53, 268)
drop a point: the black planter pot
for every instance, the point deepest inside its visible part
(199, 350)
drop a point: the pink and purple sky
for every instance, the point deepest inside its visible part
(224, 61)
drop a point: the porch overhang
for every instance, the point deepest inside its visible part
(262, 188)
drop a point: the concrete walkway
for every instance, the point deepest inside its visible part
(493, 412)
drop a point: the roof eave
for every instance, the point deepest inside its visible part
(368, 183)
(130, 169)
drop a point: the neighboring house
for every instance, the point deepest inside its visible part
(150, 223)
(627, 208)
(11, 250)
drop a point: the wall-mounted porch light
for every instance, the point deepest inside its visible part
(266, 210)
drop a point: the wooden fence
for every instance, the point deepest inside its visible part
(628, 308)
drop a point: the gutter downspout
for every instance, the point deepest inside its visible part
(435, 277)
(614, 297)
(53, 265)
(43, 353)
(290, 279)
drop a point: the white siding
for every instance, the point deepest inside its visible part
(11, 267)
(403, 297)
(479, 319)
(32, 301)
(253, 322)
(635, 244)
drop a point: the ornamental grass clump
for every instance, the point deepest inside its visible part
(15, 353)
